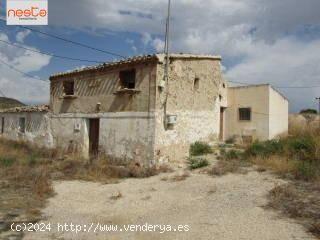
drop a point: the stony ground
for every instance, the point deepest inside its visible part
(230, 207)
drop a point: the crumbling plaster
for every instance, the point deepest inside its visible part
(197, 109)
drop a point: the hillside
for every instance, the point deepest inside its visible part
(9, 103)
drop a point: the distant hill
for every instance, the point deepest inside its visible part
(9, 103)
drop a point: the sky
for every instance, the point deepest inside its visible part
(260, 41)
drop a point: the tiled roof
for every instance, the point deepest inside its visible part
(38, 108)
(136, 59)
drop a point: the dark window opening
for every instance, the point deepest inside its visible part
(244, 114)
(223, 85)
(128, 79)
(68, 88)
(22, 125)
(196, 83)
(220, 98)
(2, 125)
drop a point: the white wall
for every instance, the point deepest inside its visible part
(255, 97)
(37, 128)
(123, 136)
(269, 112)
(279, 110)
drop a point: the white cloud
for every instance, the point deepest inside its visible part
(16, 85)
(158, 44)
(259, 37)
(22, 35)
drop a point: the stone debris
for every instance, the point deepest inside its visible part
(37, 108)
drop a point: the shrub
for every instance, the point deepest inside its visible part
(199, 148)
(226, 166)
(302, 148)
(307, 171)
(265, 149)
(195, 163)
(231, 155)
(7, 161)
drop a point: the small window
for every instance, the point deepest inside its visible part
(22, 125)
(196, 83)
(128, 79)
(244, 114)
(220, 98)
(68, 88)
(2, 125)
(224, 85)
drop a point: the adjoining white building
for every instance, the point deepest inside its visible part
(126, 111)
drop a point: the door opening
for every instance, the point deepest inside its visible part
(221, 135)
(94, 127)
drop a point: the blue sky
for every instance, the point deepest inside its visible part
(260, 41)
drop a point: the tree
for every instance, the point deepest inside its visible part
(308, 111)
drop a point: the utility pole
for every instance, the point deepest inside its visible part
(318, 99)
(167, 63)
(167, 37)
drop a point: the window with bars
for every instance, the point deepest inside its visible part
(244, 114)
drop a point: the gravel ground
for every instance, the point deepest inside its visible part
(220, 208)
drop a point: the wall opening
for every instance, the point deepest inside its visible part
(128, 79)
(221, 135)
(94, 132)
(2, 125)
(22, 125)
(245, 114)
(68, 88)
(196, 83)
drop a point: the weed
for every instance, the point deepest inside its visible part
(200, 148)
(116, 196)
(195, 163)
(7, 161)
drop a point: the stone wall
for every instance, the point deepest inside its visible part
(37, 128)
(196, 105)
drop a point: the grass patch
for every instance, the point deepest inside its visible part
(194, 163)
(26, 174)
(200, 148)
(300, 200)
(295, 156)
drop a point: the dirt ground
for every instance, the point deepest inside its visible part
(230, 207)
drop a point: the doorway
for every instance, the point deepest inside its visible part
(221, 135)
(94, 127)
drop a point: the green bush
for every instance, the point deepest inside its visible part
(231, 155)
(195, 163)
(307, 171)
(265, 149)
(199, 148)
(302, 148)
(7, 161)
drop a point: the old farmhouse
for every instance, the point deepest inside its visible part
(127, 111)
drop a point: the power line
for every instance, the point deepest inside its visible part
(73, 42)
(247, 84)
(49, 54)
(2, 93)
(21, 72)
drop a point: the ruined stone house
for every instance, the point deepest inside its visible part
(126, 111)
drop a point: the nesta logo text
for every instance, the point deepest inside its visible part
(32, 12)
